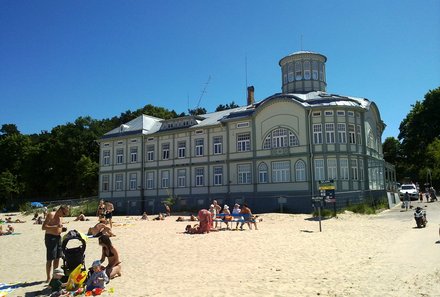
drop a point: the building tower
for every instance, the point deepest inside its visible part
(303, 72)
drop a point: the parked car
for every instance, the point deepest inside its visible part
(412, 191)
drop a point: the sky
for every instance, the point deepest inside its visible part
(60, 60)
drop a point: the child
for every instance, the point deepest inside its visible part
(55, 283)
(98, 279)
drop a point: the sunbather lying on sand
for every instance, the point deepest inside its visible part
(81, 217)
(9, 230)
(100, 229)
(10, 220)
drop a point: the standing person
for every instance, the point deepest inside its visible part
(217, 207)
(100, 212)
(52, 238)
(406, 200)
(113, 268)
(109, 208)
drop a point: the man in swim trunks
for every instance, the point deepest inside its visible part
(52, 238)
(109, 208)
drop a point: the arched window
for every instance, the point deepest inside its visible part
(306, 69)
(280, 137)
(262, 173)
(300, 171)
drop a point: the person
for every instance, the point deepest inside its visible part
(235, 214)
(8, 231)
(205, 219)
(100, 212)
(160, 217)
(98, 279)
(39, 221)
(55, 283)
(144, 216)
(406, 200)
(193, 218)
(226, 215)
(44, 212)
(421, 196)
(109, 252)
(35, 216)
(192, 230)
(167, 210)
(249, 218)
(217, 207)
(81, 217)
(109, 208)
(100, 229)
(10, 220)
(52, 239)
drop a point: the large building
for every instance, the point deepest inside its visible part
(271, 153)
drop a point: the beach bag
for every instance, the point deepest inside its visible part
(76, 278)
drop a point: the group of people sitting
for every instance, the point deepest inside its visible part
(9, 230)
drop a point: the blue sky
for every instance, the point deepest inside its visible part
(60, 60)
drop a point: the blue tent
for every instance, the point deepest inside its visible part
(36, 204)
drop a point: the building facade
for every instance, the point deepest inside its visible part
(271, 154)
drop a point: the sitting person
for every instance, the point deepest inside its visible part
(81, 217)
(226, 216)
(144, 216)
(160, 217)
(98, 279)
(180, 219)
(113, 268)
(192, 230)
(39, 221)
(35, 216)
(100, 229)
(193, 218)
(7, 231)
(55, 283)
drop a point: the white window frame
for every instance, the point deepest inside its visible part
(263, 173)
(150, 153)
(359, 134)
(181, 149)
(106, 157)
(199, 176)
(328, 113)
(319, 169)
(119, 182)
(244, 174)
(181, 178)
(244, 142)
(105, 185)
(149, 180)
(342, 132)
(281, 172)
(351, 134)
(317, 133)
(330, 133)
(300, 171)
(165, 179)
(119, 156)
(133, 181)
(298, 71)
(218, 175)
(133, 154)
(199, 147)
(307, 68)
(332, 168)
(218, 145)
(166, 151)
(354, 169)
(343, 167)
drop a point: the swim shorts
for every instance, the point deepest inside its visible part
(108, 215)
(53, 247)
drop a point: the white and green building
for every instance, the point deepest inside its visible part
(270, 154)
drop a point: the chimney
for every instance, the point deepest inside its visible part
(250, 96)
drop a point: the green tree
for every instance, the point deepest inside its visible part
(222, 107)
(9, 187)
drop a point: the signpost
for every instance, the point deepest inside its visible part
(317, 203)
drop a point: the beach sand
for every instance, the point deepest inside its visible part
(354, 255)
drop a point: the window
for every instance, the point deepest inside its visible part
(181, 178)
(244, 142)
(199, 146)
(119, 183)
(244, 174)
(359, 134)
(319, 169)
(150, 180)
(317, 133)
(218, 145)
(218, 176)
(119, 156)
(300, 171)
(351, 134)
(262, 173)
(165, 179)
(316, 114)
(200, 177)
(328, 113)
(343, 165)
(285, 78)
(321, 72)
(340, 113)
(361, 169)
(165, 151)
(150, 153)
(330, 133)
(133, 154)
(342, 135)
(105, 183)
(243, 125)
(106, 157)
(290, 72)
(315, 70)
(181, 148)
(133, 181)
(350, 114)
(298, 71)
(332, 172)
(306, 69)
(354, 169)
(280, 137)
(267, 142)
(281, 172)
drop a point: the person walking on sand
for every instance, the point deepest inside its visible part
(52, 239)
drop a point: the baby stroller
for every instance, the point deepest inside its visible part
(74, 254)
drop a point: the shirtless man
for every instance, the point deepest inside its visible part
(52, 238)
(109, 208)
(100, 229)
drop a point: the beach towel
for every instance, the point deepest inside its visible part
(6, 288)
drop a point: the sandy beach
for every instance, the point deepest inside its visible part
(354, 255)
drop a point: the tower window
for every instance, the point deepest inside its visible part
(307, 70)
(298, 71)
(315, 70)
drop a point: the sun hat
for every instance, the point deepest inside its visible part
(237, 205)
(226, 206)
(212, 205)
(96, 263)
(58, 271)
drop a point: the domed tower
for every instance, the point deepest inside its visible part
(303, 72)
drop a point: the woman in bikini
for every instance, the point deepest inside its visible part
(113, 268)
